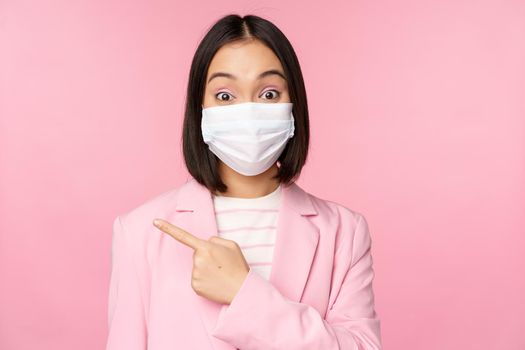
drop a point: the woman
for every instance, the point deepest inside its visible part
(240, 256)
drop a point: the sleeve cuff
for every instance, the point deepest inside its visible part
(235, 319)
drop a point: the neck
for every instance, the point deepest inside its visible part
(242, 186)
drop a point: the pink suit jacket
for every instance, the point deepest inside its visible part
(319, 295)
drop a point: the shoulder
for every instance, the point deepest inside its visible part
(140, 217)
(333, 210)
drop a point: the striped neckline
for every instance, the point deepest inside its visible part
(267, 197)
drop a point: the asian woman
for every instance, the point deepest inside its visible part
(240, 256)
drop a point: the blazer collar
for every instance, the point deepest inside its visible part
(296, 241)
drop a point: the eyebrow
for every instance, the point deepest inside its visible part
(262, 75)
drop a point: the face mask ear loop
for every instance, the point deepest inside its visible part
(291, 131)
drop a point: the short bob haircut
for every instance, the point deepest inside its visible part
(203, 164)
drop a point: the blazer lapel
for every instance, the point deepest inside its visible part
(295, 246)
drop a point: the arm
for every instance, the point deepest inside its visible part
(260, 317)
(126, 317)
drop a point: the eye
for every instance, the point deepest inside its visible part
(223, 96)
(269, 93)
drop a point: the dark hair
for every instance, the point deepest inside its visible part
(200, 161)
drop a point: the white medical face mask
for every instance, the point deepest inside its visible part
(250, 136)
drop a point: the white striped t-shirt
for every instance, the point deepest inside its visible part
(252, 223)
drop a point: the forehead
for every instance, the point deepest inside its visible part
(245, 59)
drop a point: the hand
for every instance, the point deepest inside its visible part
(219, 267)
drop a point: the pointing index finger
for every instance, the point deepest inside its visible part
(179, 234)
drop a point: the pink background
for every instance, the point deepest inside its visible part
(417, 119)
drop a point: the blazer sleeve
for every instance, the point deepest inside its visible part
(261, 318)
(126, 316)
